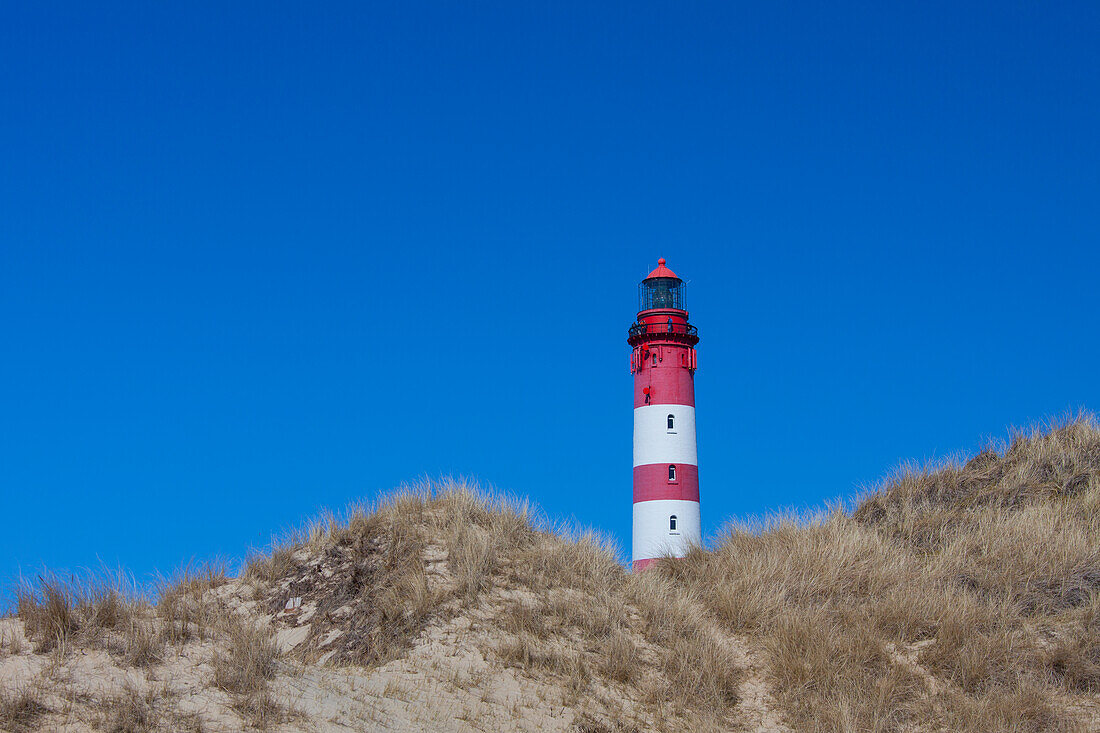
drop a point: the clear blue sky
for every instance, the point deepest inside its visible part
(256, 260)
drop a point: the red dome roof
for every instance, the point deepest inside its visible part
(662, 271)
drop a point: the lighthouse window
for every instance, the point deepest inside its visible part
(672, 523)
(671, 422)
(654, 358)
(671, 472)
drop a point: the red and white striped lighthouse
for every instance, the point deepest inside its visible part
(666, 468)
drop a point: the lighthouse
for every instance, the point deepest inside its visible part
(666, 467)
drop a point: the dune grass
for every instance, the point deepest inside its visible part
(21, 707)
(104, 610)
(935, 602)
(80, 608)
(574, 616)
(958, 596)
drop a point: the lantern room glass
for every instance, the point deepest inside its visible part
(662, 292)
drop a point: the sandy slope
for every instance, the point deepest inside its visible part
(451, 679)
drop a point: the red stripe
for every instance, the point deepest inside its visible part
(651, 482)
(640, 565)
(668, 382)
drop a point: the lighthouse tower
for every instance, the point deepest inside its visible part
(666, 469)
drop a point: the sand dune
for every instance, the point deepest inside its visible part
(956, 597)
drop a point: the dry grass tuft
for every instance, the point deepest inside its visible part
(86, 609)
(620, 658)
(182, 608)
(11, 642)
(249, 660)
(582, 561)
(48, 612)
(529, 653)
(21, 707)
(526, 618)
(260, 709)
(588, 724)
(244, 669)
(142, 645)
(91, 611)
(130, 712)
(1074, 656)
(269, 568)
(700, 672)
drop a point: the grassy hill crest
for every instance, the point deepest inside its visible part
(961, 596)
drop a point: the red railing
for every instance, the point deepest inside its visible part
(656, 329)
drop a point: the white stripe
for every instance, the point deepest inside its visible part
(655, 443)
(653, 536)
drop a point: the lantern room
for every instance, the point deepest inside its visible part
(662, 317)
(662, 290)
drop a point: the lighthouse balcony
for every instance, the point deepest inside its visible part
(671, 331)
